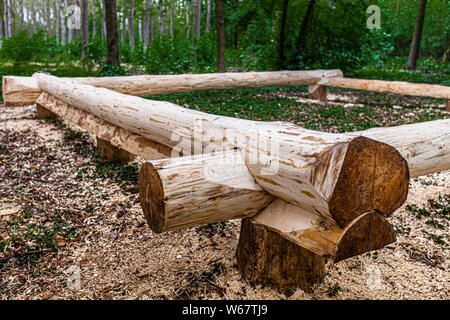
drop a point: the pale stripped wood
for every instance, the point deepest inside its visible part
(19, 91)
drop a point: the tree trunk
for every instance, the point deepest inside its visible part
(2, 30)
(57, 10)
(7, 19)
(71, 31)
(301, 38)
(171, 18)
(188, 22)
(415, 45)
(112, 33)
(124, 21)
(208, 16)
(197, 15)
(281, 55)
(85, 29)
(162, 24)
(338, 176)
(94, 18)
(22, 15)
(220, 25)
(190, 191)
(147, 23)
(62, 21)
(131, 24)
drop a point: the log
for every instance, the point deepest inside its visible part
(317, 92)
(118, 137)
(43, 113)
(287, 246)
(20, 91)
(426, 145)
(189, 191)
(112, 153)
(339, 176)
(397, 87)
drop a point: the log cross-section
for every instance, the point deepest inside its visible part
(338, 176)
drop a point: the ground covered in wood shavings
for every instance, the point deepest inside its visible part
(64, 212)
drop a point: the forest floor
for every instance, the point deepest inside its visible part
(81, 216)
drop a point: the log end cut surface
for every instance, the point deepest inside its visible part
(368, 232)
(374, 176)
(151, 197)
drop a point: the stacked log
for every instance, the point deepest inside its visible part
(22, 91)
(118, 137)
(338, 176)
(305, 197)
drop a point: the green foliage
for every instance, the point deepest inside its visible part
(21, 48)
(167, 55)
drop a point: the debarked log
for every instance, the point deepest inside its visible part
(21, 91)
(339, 176)
(288, 246)
(425, 146)
(194, 190)
(397, 87)
(118, 137)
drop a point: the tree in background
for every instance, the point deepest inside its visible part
(112, 33)
(417, 37)
(84, 29)
(220, 26)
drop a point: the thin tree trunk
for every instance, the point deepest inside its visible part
(415, 45)
(48, 18)
(131, 24)
(1, 24)
(85, 28)
(188, 22)
(56, 5)
(208, 16)
(62, 21)
(7, 19)
(124, 21)
(197, 14)
(220, 25)
(301, 39)
(22, 15)
(281, 55)
(162, 25)
(94, 18)
(112, 33)
(103, 20)
(71, 32)
(171, 18)
(147, 23)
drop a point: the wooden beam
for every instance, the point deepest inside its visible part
(104, 130)
(335, 175)
(190, 191)
(19, 91)
(397, 87)
(288, 246)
